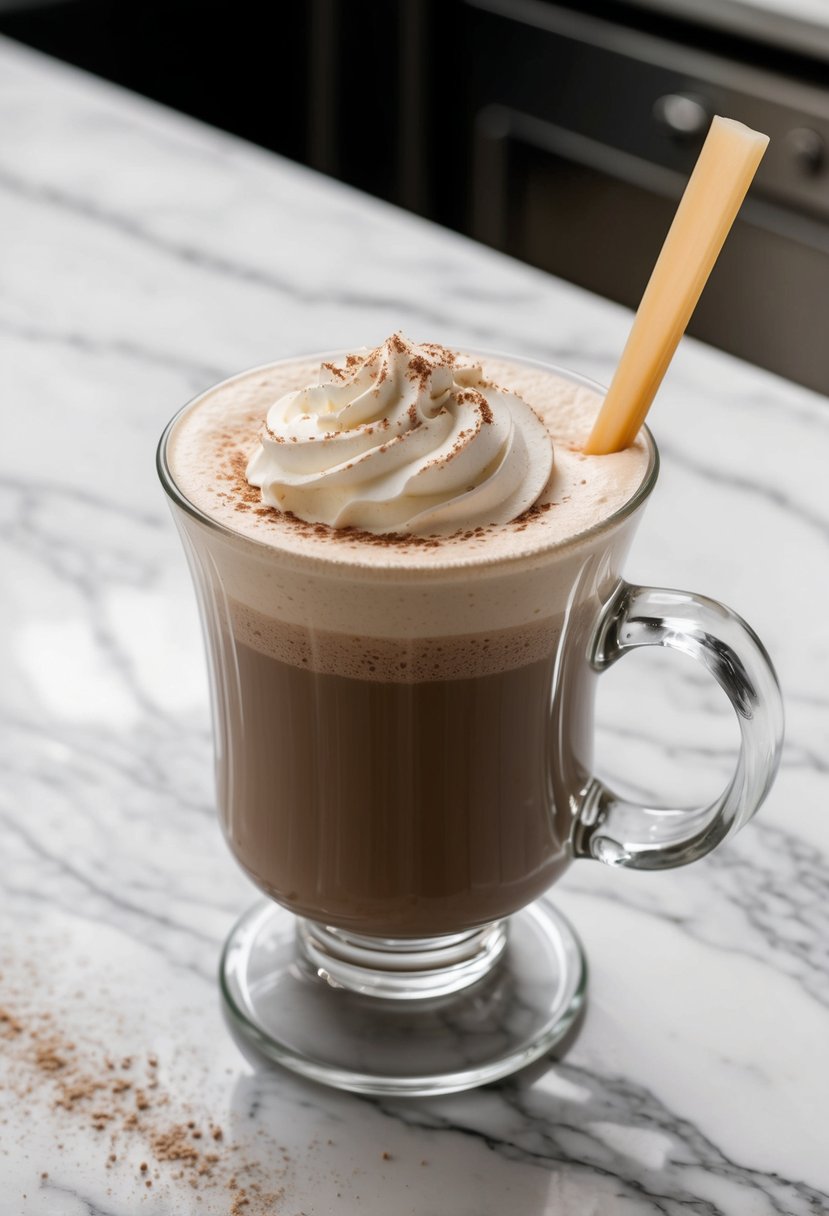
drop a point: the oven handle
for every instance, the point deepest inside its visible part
(497, 128)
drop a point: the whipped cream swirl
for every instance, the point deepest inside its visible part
(405, 439)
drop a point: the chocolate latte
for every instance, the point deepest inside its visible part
(387, 636)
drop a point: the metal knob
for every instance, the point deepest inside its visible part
(684, 116)
(807, 148)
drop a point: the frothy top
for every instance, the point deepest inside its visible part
(403, 438)
(211, 445)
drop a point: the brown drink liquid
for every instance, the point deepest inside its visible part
(386, 710)
(394, 808)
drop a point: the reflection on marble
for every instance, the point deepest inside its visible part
(149, 256)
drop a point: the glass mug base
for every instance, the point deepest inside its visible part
(403, 1018)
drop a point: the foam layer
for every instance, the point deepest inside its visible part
(287, 584)
(213, 440)
(395, 660)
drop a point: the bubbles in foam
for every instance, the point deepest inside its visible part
(395, 660)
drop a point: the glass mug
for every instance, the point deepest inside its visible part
(405, 829)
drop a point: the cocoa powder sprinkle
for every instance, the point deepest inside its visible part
(9, 1025)
(174, 1145)
(85, 1087)
(419, 362)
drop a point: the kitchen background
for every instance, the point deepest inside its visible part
(560, 133)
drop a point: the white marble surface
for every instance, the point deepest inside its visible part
(143, 257)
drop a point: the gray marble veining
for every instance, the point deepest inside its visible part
(145, 256)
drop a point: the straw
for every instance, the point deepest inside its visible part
(709, 206)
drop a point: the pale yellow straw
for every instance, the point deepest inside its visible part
(712, 198)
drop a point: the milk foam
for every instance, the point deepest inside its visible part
(341, 581)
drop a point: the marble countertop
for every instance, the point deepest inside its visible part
(145, 256)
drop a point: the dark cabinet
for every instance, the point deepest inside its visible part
(579, 137)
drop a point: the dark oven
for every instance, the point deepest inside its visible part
(581, 143)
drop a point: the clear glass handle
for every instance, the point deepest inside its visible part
(624, 833)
